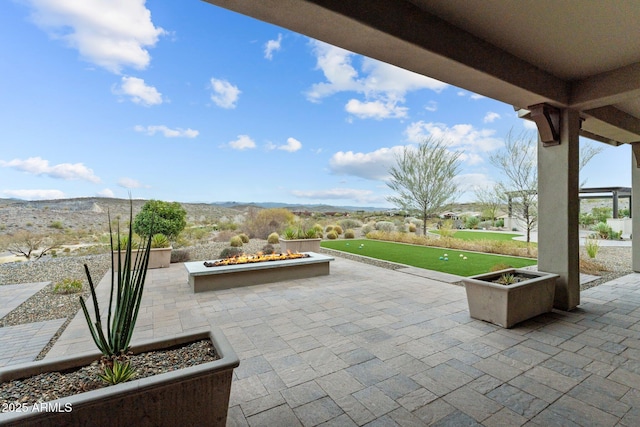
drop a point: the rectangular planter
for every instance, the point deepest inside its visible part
(159, 257)
(300, 245)
(195, 396)
(508, 305)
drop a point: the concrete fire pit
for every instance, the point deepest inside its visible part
(202, 278)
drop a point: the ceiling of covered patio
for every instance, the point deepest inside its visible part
(569, 54)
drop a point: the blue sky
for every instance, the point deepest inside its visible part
(186, 101)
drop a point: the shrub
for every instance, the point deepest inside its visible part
(159, 240)
(68, 286)
(385, 226)
(337, 229)
(446, 228)
(266, 221)
(236, 241)
(268, 249)
(57, 225)
(230, 252)
(180, 255)
(349, 234)
(601, 214)
(168, 218)
(349, 223)
(592, 246)
(329, 229)
(244, 237)
(412, 227)
(273, 238)
(500, 223)
(367, 228)
(124, 240)
(332, 235)
(319, 230)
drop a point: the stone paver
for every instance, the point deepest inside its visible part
(11, 296)
(22, 343)
(371, 346)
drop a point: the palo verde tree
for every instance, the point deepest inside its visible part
(168, 218)
(423, 178)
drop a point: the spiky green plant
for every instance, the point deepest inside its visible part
(159, 240)
(117, 373)
(127, 288)
(507, 279)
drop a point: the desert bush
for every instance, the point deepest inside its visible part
(500, 223)
(68, 286)
(328, 229)
(332, 235)
(319, 229)
(268, 249)
(235, 241)
(446, 228)
(224, 236)
(57, 225)
(244, 237)
(412, 227)
(230, 252)
(168, 218)
(337, 229)
(266, 221)
(601, 214)
(273, 238)
(367, 228)
(593, 267)
(180, 255)
(591, 246)
(472, 222)
(349, 234)
(387, 226)
(349, 223)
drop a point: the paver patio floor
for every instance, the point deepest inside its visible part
(371, 346)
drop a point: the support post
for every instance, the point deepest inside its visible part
(558, 211)
(634, 206)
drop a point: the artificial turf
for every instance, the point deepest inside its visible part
(438, 259)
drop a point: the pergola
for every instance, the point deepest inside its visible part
(571, 66)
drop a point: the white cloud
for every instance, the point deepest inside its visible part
(431, 106)
(529, 124)
(129, 183)
(224, 94)
(338, 193)
(375, 109)
(167, 132)
(475, 96)
(291, 146)
(373, 165)
(383, 86)
(139, 92)
(244, 142)
(461, 136)
(272, 46)
(105, 193)
(40, 166)
(490, 117)
(111, 34)
(34, 194)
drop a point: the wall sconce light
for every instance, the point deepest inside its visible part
(547, 120)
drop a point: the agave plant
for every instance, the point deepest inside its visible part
(127, 284)
(159, 240)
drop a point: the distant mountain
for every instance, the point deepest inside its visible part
(297, 207)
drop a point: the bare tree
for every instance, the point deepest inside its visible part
(588, 152)
(517, 162)
(30, 245)
(490, 200)
(423, 178)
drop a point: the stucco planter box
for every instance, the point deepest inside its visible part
(195, 396)
(508, 305)
(159, 257)
(300, 245)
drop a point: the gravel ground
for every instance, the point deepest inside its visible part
(47, 305)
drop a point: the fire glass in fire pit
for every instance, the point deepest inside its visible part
(259, 257)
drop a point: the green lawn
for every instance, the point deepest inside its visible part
(427, 257)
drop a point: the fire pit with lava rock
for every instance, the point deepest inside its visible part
(254, 258)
